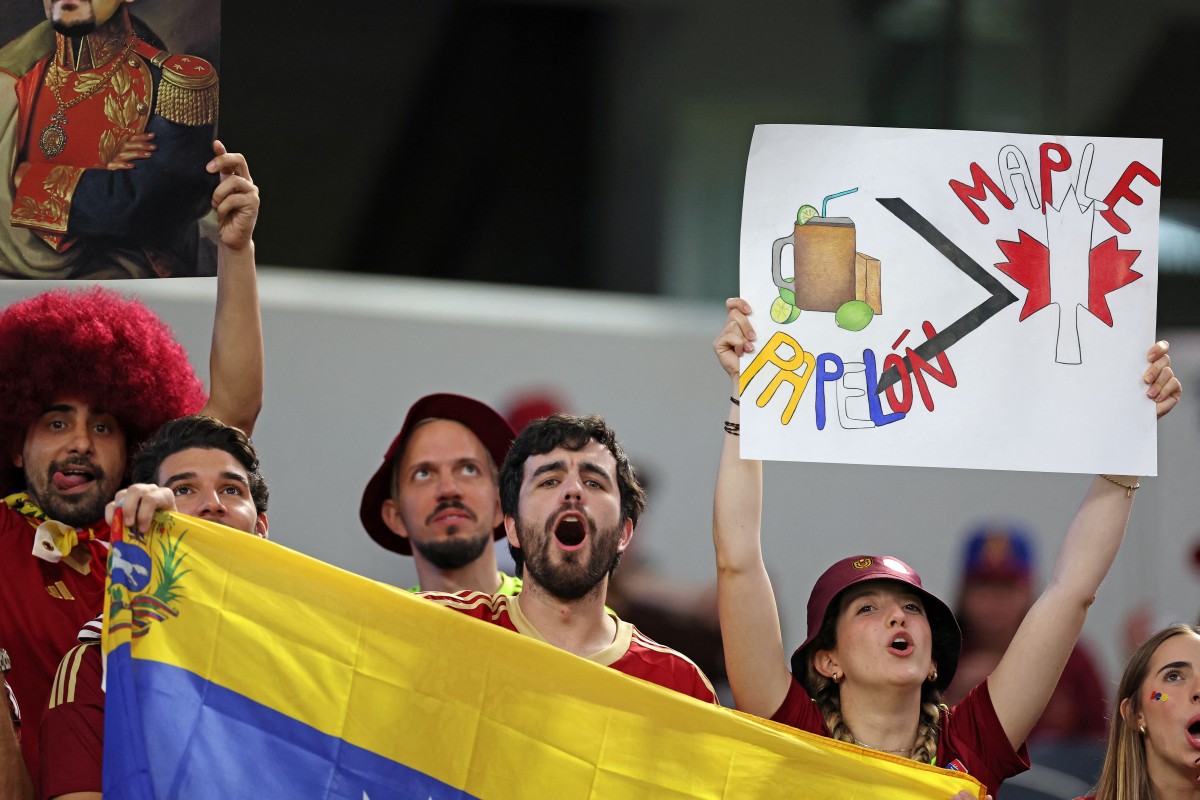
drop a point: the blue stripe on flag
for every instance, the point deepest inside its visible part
(234, 746)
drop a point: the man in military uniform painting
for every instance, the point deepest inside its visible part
(107, 136)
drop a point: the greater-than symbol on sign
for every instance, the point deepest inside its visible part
(941, 341)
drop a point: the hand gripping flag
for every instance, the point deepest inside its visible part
(239, 668)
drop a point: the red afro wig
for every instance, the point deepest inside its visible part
(99, 346)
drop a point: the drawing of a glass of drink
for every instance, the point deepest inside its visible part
(827, 270)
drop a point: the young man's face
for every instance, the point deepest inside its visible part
(77, 17)
(211, 484)
(570, 528)
(74, 461)
(446, 499)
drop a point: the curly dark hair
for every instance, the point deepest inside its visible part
(99, 346)
(573, 433)
(208, 433)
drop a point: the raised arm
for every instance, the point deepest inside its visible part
(1027, 674)
(754, 656)
(235, 362)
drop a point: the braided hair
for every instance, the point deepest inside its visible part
(826, 693)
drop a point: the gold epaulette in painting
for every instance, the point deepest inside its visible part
(189, 91)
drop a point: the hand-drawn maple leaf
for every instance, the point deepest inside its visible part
(1111, 268)
(1053, 274)
(1029, 265)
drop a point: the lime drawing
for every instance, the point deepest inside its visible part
(853, 315)
(783, 312)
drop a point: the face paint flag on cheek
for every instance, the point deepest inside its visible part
(1158, 696)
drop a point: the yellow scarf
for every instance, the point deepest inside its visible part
(54, 541)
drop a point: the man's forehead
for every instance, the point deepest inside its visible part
(73, 403)
(591, 453)
(438, 439)
(200, 460)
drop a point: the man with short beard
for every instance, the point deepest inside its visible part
(571, 500)
(106, 136)
(436, 497)
(87, 376)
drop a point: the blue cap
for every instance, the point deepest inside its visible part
(998, 552)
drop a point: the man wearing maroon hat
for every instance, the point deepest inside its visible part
(998, 588)
(436, 497)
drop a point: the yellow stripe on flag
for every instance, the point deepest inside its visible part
(473, 705)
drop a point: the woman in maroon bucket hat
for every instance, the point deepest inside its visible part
(880, 648)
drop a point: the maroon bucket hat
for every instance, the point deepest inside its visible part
(947, 638)
(491, 428)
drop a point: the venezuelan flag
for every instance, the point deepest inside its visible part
(237, 668)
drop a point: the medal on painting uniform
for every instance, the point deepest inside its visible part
(53, 139)
(54, 136)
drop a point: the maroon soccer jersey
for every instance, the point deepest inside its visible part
(44, 606)
(971, 739)
(631, 652)
(72, 732)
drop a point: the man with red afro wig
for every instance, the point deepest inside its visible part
(100, 346)
(87, 377)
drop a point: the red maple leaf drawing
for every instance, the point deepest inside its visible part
(1028, 264)
(1067, 271)
(1110, 269)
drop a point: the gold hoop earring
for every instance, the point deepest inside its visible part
(1142, 728)
(836, 677)
(933, 677)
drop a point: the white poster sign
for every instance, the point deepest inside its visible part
(950, 298)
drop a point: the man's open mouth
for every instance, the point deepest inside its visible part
(571, 530)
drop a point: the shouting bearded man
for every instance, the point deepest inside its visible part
(571, 500)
